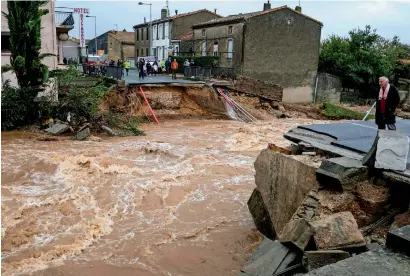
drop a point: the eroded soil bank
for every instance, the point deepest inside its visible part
(169, 203)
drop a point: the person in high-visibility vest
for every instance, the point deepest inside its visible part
(127, 65)
(174, 67)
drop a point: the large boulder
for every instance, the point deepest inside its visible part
(283, 182)
(260, 215)
(337, 231)
(296, 234)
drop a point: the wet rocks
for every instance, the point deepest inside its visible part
(108, 130)
(296, 234)
(317, 259)
(283, 183)
(341, 173)
(337, 231)
(94, 138)
(260, 215)
(399, 239)
(57, 129)
(307, 209)
(82, 134)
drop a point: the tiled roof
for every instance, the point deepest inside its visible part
(123, 36)
(245, 16)
(77, 40)
(175, 17)
(183, 37)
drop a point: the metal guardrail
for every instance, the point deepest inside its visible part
(64, 18)
(209, 72)
(114, 72)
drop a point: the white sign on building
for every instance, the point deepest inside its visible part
(81, 12)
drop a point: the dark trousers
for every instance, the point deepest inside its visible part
(174, 73)
(141, 73)
(126, 70)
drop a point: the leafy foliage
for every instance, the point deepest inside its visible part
(24, 21)
(361, 58)
(336, 112)
(126, 127)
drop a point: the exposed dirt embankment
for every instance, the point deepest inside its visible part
(168, 102)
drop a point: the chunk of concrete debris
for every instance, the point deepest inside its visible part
(108, 130)
(316, 259)
(341, 173)
(399, 239)
(57, 129)
(260, 215)
(389, 151)
(296, 234)
(337, 231)
(83, 134)
(270, 258)
(307, 209)
(392, 150)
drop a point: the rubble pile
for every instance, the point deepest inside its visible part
(332, 212)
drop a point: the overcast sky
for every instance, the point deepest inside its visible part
(388, 17)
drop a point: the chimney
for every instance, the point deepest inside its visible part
(176, 12)
(164, 13)
(298, 9)
(266, 6)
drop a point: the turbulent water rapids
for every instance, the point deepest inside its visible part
(173, 202)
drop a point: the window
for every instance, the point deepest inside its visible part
(147, 34)
(166, 30)
(138, 34)
(230, 49)
(215, 49)
(203, 48)
(163, 52)
(203, 32)
(5, 43)
(154, 32)
(176, 50)
(146, 52)
(138, 53)
(229, 29)
(160, 31)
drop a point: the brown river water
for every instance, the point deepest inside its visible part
(173, 202)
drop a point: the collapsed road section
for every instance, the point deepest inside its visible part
(343, 215)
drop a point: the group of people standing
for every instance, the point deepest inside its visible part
(145, 68)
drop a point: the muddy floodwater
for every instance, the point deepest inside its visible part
(173, 202)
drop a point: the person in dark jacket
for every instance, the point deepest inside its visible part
(141, 68)
(386, 104)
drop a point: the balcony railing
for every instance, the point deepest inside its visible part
(64, 18)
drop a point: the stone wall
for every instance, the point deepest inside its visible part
(283, 182)
(283, 47)
(260, 88)
(329, 88)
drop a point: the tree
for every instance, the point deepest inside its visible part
(24, 21)
(361, 58)
(124, 30)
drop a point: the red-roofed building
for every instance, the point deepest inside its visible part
(279, 45)
(168, 32)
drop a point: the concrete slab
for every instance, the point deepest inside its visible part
(379, 262)
(133, 79)
(399, 239)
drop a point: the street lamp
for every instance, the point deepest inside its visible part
(95, 30)
(150, 25)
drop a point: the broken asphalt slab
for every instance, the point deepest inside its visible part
(341, 173)
(399, 240)
(392, 150)
(270, 257)
(378, 262)
(260, 215)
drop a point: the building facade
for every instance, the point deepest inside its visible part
(168, 32)
(48, 40)
(279, 45)
(115, 44)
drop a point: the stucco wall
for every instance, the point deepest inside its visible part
(142, 43)
(48, 38)
(329, 88)
(183, 25)
(283, 47)
(220, 33)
